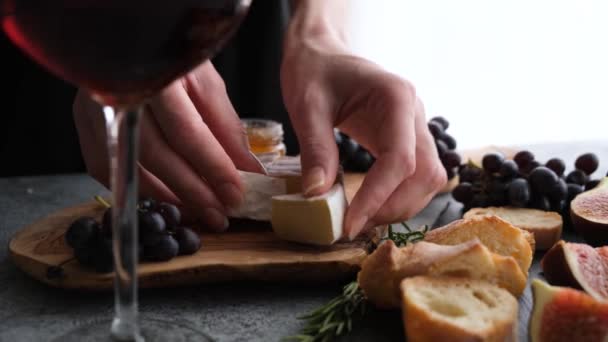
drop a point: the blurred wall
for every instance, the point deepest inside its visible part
(503, 72)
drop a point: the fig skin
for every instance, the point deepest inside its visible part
(587, 222)
(556, 269)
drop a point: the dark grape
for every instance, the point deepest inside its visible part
(361, 161)
(558, 192)
(165, 249)
(519, 192)
(451, 159)
(573, 191)
(542, 179)
(103, 261)
(577, 177)
(82, 232)
(347, 148)
(449, 141)
(523, 158)
(338, 137)
(557, 165)
(147, 204)
(541, 202)
(106, 223)
(189, 242)
(509, 169)
(526, 169)
(492, 162)
(497, 192)
(479, 200)
(470, 174)
(441, 121)
(556, 206)
(152, 227)
(85, 255)
(435, 129)
(592, 184)
(171, 214)
(442, 148)
(450, 173)
(463, 192)
(587, 163)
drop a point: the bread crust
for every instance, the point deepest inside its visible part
(421, 325)
(546, 226)
(498, 235)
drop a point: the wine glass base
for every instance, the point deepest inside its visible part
(152, 330)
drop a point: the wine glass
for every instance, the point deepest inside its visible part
(122, 52)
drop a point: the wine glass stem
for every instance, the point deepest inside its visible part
(122, 128)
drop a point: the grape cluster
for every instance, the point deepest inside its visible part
(524, 182)
(446, 145)
(355, 158)
(161, 236)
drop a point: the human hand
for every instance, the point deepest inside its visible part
(191, 144)
(325, 86)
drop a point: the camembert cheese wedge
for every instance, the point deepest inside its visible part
(315, 220)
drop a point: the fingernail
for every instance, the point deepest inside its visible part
(231, 195)
(217, 221)
(356, 227)
(260, 164)
(315, 178)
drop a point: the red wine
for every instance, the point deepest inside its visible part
(120, 50)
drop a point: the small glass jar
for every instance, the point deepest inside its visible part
(265, 137)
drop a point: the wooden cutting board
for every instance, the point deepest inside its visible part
(247, 251)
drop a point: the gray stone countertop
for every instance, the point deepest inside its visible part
(31, 311)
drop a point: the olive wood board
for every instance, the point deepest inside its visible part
(248, 250)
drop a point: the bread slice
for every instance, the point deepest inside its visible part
(477, 262)
(457, 309)
(382, 271)
(498, 235)
(545, 225)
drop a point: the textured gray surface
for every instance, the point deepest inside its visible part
(30, 311)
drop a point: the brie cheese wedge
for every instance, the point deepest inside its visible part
(314, 220)
(257, 202)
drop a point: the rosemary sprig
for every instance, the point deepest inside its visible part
(334, 318)
(337, 316)
(410, 236)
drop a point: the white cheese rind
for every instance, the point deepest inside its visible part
(315, 220)
(257, 202)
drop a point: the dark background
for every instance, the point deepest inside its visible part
(37, 133)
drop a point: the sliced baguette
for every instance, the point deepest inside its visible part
(382, 271)
(546, 226)
(498, 235)
(477, 262)
(457, 309)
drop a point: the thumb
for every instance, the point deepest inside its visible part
(318, 150)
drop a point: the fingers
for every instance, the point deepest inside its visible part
(392, 166)
(414, 192)
(174, 171)
(319, 153)
(207, 91)
(187, 135)
(90, 125)
(417, 191)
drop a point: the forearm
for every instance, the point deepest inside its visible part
(318, 20)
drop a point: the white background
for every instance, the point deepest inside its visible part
(503, 72)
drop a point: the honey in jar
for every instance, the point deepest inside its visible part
(265, 137)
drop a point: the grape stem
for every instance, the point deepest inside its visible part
(103, 202)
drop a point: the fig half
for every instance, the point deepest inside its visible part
(578, 265)
(565, 314)
(589, 214)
